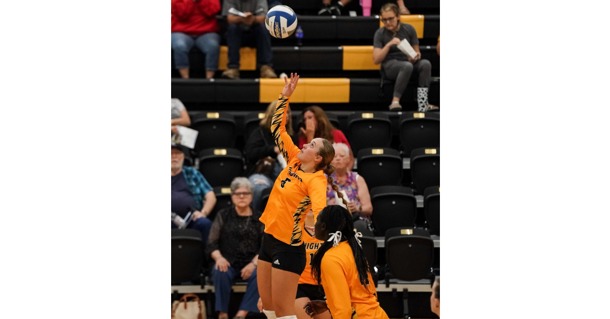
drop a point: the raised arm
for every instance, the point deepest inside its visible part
(278, 123)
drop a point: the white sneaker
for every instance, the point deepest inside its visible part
(430, 107)
(395, 106)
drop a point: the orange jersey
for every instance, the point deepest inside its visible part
(294, 191)
(311, 247)
(344, 292)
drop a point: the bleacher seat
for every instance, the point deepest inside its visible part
(379, 166)
(418, 129)
(220, 166)
(393, 206)
(409, 256)
(216, 129)
(425, 164)
(251, 122)
(187, 257)
(368, 130)
(369, 246)
(432, 209)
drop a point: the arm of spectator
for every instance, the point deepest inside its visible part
(184, 119)
(380, 53)
(366, 207)
(208, 206)
(221, 263)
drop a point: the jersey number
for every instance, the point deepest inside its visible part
(284, 181)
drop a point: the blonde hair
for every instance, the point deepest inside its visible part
(268, 117)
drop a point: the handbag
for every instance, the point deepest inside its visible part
(188, 309)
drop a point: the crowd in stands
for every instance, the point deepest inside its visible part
(233, 237)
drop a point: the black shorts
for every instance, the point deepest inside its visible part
(313, 292)
(281, 255)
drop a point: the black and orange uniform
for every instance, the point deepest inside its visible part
(344, 292)
(308, 285)
(293, 194)
(294, 190)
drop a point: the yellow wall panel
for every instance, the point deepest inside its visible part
(247, 58)
(416, 20)
(359, 57)
(309, 90)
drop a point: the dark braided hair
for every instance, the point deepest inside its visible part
(337, 218)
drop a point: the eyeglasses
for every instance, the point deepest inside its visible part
(386, 20)
(242, 194)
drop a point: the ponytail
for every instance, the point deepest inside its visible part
(328, 171)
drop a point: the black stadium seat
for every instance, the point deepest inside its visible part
(216, 129)
(380, 166)
(220, 166)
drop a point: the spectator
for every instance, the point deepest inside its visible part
(435, 297)
(233, 245)
(354, 189)
(252, 26)
(194, 23)
(260, 149)
(341, 267)
(315, 123)
(191, 192)
(180, 115)
(396, 65)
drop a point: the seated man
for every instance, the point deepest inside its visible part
(251, 24)
(192, 193)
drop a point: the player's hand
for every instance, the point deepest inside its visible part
(315, 307)
(290, 84)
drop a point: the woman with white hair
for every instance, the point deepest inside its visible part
(233, 244)
(354, 189)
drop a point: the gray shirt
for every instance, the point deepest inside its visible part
(383, 36)
(257, 7)
(177, 108)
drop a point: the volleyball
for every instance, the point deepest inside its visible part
(281, 21)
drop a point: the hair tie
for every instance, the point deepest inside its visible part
(358, 235)
(335, 238)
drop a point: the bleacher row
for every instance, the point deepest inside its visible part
(415, 6)
(336, 54)
(397, 153)
(335, 62)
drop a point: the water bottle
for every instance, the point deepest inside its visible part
(299, 35)
(177, 220)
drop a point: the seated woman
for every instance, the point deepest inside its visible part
(233, 244)
(315, 123)
(354, 189)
